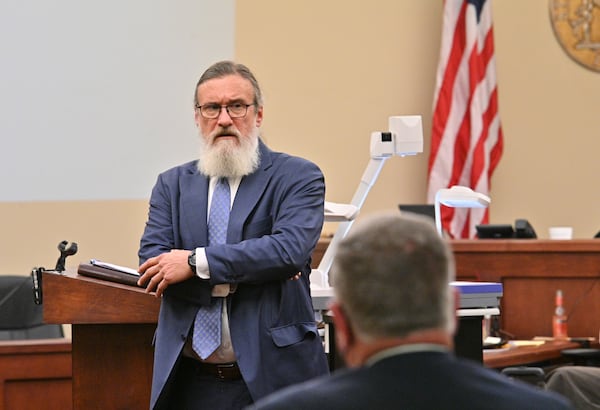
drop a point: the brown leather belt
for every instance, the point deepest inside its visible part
(221, 371)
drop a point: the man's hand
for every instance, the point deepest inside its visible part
(165, 269)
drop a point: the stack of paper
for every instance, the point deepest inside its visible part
(335, 212)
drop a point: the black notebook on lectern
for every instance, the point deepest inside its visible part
(109, 272)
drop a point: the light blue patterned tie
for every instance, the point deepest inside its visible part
(207, 325)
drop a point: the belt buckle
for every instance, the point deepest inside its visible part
(220, 368)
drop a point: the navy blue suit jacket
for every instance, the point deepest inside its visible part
(415, 381)
(275, 223)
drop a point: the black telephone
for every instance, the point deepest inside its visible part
(521, 230)
(524, 230)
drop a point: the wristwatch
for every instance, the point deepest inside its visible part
(192, 260)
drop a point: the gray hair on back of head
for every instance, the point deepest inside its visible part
(391, 276)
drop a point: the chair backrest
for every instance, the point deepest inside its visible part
(20, 317)
(528, 374)
(583, 356)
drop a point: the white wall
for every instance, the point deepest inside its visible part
(96, 96)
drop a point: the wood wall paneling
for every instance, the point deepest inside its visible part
(35, 374)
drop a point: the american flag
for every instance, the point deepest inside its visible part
(466, 138)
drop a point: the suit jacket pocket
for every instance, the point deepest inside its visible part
(290, 334)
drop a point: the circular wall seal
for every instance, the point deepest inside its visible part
(576, 24)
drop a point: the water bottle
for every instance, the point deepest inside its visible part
(559, 319)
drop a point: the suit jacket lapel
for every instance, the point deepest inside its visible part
(194, 199)
(249, 191)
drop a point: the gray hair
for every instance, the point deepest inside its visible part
(225, 68)
(391, 276)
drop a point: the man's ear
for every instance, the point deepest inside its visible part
(344, 336)
(456, 293)
(259, 116)
(456, 298)
(197, 118)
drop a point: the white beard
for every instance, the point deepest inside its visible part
(227, 158)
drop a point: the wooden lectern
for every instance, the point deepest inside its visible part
(112, 330)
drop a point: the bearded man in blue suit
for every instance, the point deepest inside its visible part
(269, 337)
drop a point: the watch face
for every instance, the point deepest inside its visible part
(192, 258)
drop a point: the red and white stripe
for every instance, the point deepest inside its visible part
(466, 139)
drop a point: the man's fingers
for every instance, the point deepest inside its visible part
(161, 288)
(153, 277)
(146, 265)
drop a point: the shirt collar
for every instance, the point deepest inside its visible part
(405, 349)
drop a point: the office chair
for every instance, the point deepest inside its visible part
(528, 374)
(583, 356)
(20, 317)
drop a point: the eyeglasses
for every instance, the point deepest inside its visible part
(212, 111)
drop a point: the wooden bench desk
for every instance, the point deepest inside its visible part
(550, 351)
